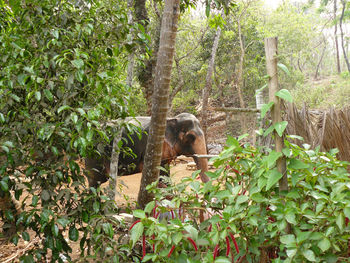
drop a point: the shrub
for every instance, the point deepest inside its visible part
(307, 223)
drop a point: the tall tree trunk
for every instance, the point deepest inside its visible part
(240, 80)
(335, 35)
(146, 73)
(131, 57)
(342, 34)
(321, 58)
(208, 83)
(160, 104)
(241, 65)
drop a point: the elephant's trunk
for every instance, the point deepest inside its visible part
(200, 148)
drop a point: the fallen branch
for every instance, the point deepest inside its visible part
(236, 110)
(22, 251)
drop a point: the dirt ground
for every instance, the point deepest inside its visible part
(131, 184)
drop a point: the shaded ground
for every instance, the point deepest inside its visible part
(131, 184)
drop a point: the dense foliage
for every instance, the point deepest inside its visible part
(62, 75)
(248, 217)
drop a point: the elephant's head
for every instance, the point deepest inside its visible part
(187, 138)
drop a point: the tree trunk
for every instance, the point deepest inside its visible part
(131, 57)
(241, 65)
(335, 36)
(113, 169)
(146, 72)
(208, 83)
(240, 82)
(320, 61)
(276, 113)
(160, 104)
(342, 34)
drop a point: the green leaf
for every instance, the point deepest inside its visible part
(22, 79)
(265, 108)
(2, 118)
(136, 233)
(330, 230)
(284, 94)
(207, 8)
(297, 164)
(4, 186)
(309, 255)
(269, 130)
(291, 252)
(280, 127)
(324, 244)
(261, 89)
(241, 199)
(284, 68)
(290, 217)
(149, 207)
(271, 159)
(35, 200)
(192, 232)
(340, 221)
(96, 207)
(78, 63)
(139, 213)
(273, 177)
(288, 240)
(222, 260)
(38, 95)
(48, 95)
(27, 259)
(15, 97)
(25, 236)
(62, 221)
(54, 229)
(347, 212)
(45, 195)
(62, 108)
(177, 237)
(73, 234)
(108, 229)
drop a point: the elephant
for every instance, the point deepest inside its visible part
(183, 136)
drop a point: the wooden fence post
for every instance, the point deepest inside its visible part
(276, 113)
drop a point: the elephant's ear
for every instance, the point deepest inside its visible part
(171, 131)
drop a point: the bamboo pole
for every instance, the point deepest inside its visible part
(276, 113)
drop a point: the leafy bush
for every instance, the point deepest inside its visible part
(248, 215)
(61, 76)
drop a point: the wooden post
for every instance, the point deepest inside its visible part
(276, 113)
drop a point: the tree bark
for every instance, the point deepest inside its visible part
(113, 174)
(146, 72)
(276, 114)
(321, 58)
(131, 56)
(342, 34)
(241, 65)
(208, 83)
(130, 73)
(335, 35)
(160, 104)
